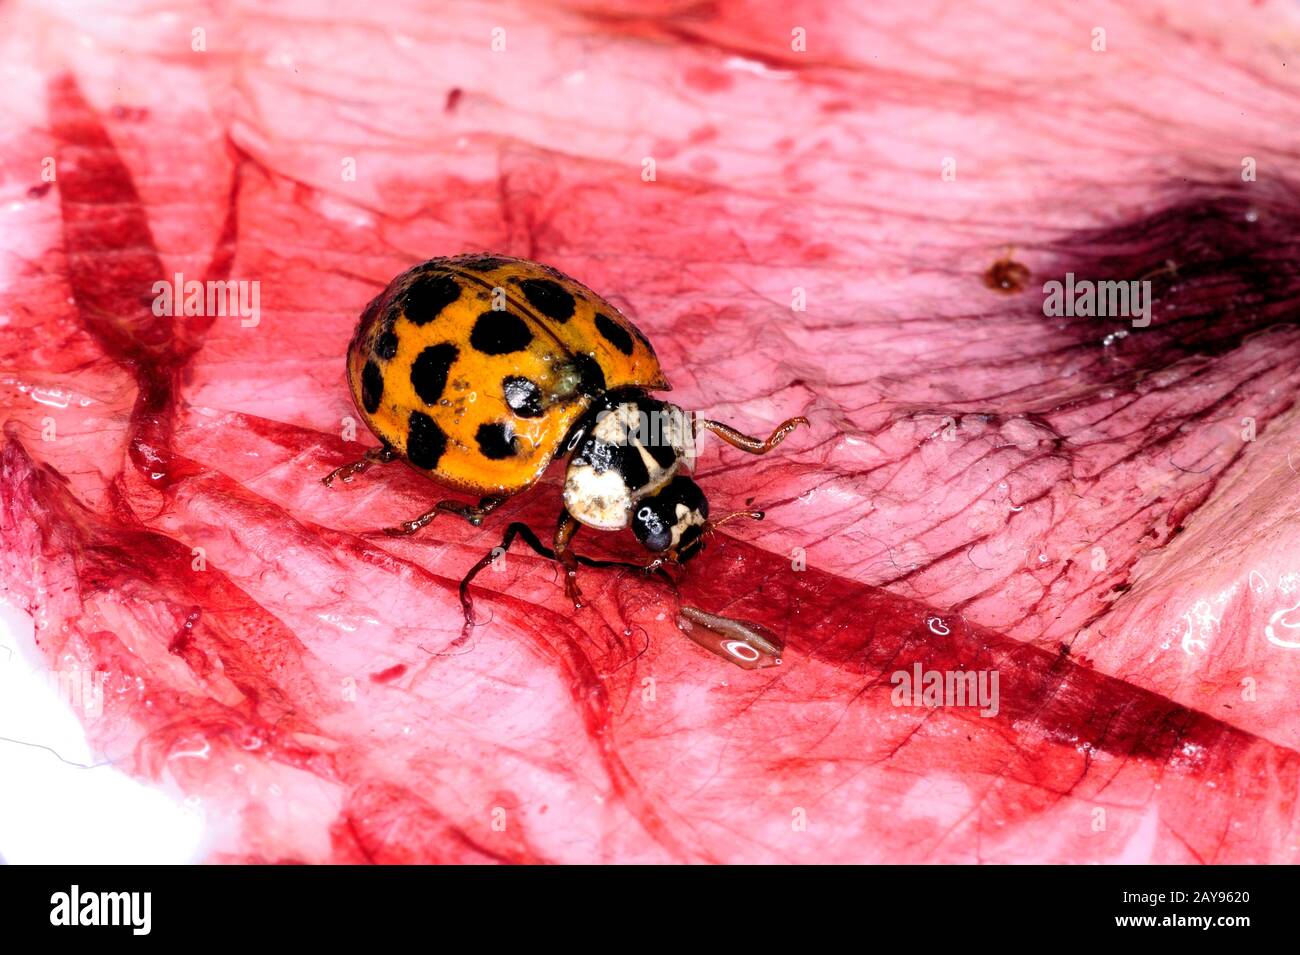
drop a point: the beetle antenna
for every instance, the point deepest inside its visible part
(753, 515)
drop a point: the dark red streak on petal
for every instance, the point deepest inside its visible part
(113, 265)
(1061, 727)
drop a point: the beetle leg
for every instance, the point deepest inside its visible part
(744, 441)
(564, 533)
(473, 514)
(512, 531)
(406, 528)
(522, 530)
(380, 455)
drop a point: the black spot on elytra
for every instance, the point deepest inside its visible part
(642, 339)
(549, 298)
(614, 333)
(425, 441)
(372, 387)
(430, 369)
(500, 333)
(482, 263)
(386, 345)
(523, 397)
(591, 377)
(496, 440)
(428, 295)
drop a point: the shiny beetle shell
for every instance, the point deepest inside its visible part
(474, 368)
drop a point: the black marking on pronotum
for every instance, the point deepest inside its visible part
(548, 297)
(430, 369)
(632, 467)
(496, 440)
(614, 333)
(654, 425)
(425, 441)
(523, 397)
(663, 452)
(372, 387)
(500, 333)
(601, 455)
(623, 457)
(428, 295)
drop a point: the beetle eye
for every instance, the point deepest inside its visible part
(651, 529)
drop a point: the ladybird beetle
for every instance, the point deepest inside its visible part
(478, 369)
